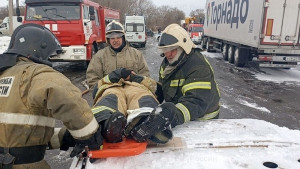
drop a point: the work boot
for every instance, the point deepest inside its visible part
(158, 120)
(113, 127)
(135, 118)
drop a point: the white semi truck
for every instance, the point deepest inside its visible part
(267, 30)
(4, 26)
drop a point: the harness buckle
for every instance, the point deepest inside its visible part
(6, 161)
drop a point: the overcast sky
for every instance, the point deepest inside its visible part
(185, 5)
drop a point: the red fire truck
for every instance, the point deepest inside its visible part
(78, 24)
(195, 31)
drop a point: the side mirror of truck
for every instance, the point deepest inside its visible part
(18, 11)
(92, 13)
(19, 19)
(92, 17)
(91, 10)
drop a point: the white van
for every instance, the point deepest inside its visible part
(135, 30)
(4, 26)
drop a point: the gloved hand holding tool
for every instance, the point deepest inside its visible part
(93, 143)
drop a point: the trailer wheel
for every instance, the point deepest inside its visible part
(208, 48)
(225, 52)
(240, 57)
(231, 54)
(203, 43)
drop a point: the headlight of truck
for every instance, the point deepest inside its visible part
(78, 51)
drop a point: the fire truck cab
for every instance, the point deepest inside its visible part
(195, 31)
(79, 25)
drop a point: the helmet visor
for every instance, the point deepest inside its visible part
(114, 35)
(167, 49)
(167, 40)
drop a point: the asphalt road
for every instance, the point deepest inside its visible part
(238, 87)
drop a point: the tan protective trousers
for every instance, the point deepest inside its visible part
(38, 165)
(129, 97)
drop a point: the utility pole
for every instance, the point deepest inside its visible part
(10, 16)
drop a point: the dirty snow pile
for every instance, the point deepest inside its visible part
(287, 76)
(4, 42)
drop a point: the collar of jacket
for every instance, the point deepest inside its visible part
(180, 64)
(7, 61)
(19, 60)
(114, 53)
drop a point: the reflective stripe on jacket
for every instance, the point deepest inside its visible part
(37, 96)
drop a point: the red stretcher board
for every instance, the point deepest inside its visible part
(128, 147)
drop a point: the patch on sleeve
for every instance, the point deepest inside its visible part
(6, 85)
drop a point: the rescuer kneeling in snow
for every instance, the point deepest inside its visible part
(33, 95)
(124, 94)
(186, 78)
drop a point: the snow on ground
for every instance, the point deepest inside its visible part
(287, 76)
(253, 105)
(217, 144)
(4, 42)
(276, 75)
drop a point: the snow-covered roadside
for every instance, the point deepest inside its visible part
(4, 42)
(287, 76)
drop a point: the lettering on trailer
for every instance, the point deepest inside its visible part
(6, 85)
(229, 12)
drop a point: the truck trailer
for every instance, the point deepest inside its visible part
(267, 30)
(79, 25)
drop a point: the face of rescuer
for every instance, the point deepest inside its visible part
(115, 41)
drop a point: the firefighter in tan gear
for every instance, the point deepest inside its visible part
(117, 54)
(187, 78)
(32, 96)
(123, 92)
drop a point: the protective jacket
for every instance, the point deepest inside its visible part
(32, 96)
(107, 60)
(191, 86)
(125, 95)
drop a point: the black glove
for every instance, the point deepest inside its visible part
(178, 119)
(158, 121)
(93, 143)
(117, 74)
(67, 141)
(162, 137)
(159, 93)
(136, 78)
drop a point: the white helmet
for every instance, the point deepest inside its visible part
(173, 36)
(114, 28)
